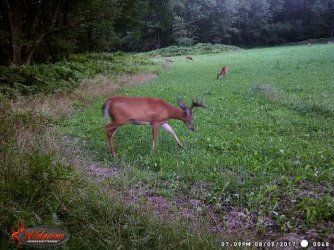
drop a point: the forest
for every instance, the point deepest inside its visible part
(45, 31)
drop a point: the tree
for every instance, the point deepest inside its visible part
(318, 19)
(223, 21)
(26, 24)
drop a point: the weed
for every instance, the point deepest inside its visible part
(317, 210)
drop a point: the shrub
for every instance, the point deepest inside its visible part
(198, 49)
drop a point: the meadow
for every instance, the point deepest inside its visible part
(263, 148)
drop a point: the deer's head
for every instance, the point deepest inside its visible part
(188, 112)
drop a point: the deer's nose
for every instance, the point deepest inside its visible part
(192, 129)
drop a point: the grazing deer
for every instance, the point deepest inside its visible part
(223, 71)
(145, 111)
(168, 60)
(189, 58)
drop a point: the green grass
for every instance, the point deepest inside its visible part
(266, 137)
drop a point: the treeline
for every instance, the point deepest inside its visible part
(47, 30)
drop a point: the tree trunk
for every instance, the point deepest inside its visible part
(15, 32)
(30, 55)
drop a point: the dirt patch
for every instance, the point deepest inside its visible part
(167, 65)
(160, 204)
(100, 172)
(130, 80)
(196, 212)
(225, 222)
(236, 219)
(311, 190)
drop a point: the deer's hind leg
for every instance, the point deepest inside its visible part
(155, 128)
(111, 131)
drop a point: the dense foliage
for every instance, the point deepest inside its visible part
(64, 76)
(198, 49)
(50, 30)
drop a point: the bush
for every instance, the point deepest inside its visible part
(198, 49)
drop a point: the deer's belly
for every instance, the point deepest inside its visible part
(138, 122)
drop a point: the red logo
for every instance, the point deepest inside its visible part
(39, 236)
(15, 234)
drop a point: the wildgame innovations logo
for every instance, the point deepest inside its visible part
(39, 236)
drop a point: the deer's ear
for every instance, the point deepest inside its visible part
(182, 105)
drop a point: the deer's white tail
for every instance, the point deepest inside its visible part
(105, 108)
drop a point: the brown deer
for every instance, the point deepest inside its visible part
(223, 71)
(168, 60)
(189, 58)
(146, 111)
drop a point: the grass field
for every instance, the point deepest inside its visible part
(264, 146)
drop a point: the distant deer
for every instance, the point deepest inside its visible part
(189, 58)
(146, 111)
(223, 71)
(168, 60)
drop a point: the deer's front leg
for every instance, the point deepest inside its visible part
(170, 130)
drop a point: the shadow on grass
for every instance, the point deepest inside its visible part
(275, 95)
(311, 109)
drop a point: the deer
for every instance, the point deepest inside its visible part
(223, 71)
(189, 58)
(146, 111)
(168, 60)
